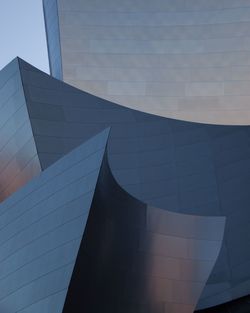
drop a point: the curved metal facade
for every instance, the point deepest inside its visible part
(41, 229)
(183, 167)
(18, 156)
(74, 231)
(136, 258)
(183, 59)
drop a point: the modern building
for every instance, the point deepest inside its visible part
(185, 59)
(108, 207)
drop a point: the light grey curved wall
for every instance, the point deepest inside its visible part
(41, 227)
(18, 156)
(183, 59)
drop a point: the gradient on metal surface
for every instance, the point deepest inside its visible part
(44, 223)
(18, 155)
(183, 167)
(183, 59)
(136, 258)
(41, 227)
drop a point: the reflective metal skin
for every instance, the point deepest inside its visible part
(51, 22)
(18, 156)
(136, 258)
(41, 227)
(74, 219)
(183, 167)
(185, 59)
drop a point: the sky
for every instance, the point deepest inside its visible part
(22, 33)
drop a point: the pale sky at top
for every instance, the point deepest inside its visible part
(22, 33)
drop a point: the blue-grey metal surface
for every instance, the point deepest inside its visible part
(240, 305)
(183, 167)
(41, 227)
(179, 166)
(18, 156)
(137, 258)
(51, 19)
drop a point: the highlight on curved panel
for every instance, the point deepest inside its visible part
(125, 174)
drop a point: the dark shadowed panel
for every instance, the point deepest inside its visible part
(241, 305)
(136, 258)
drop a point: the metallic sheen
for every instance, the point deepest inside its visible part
(185, 59)
(173, 168)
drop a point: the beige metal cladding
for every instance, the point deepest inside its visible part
(183, 59)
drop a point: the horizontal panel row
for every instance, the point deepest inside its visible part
(81, 18)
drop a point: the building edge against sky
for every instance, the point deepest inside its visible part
(126, 165)
(183, 59)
